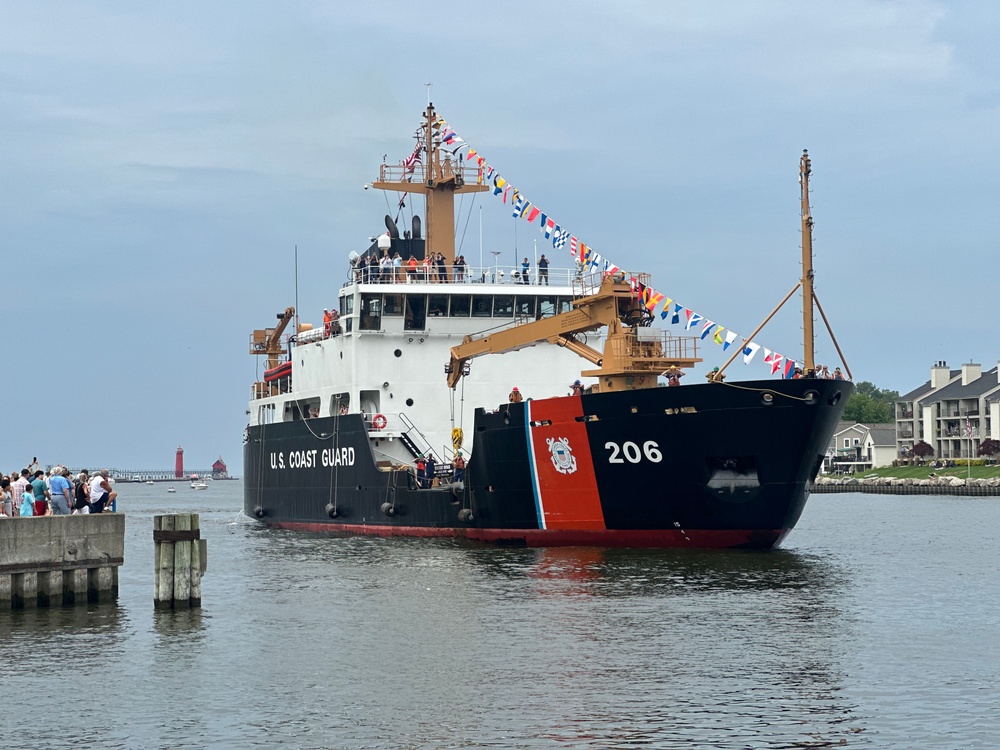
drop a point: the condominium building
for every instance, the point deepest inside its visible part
(953, 412)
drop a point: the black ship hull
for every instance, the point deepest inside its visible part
(716, 465)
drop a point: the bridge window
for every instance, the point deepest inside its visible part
(482, 305)
(546, 307)
(503, 306)
(524, 307)
(415, 312)
(371, 312)
(461, 306)
(393, 305)
(437, 305)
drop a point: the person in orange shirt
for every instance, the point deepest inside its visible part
(411, 269)
(326, 322)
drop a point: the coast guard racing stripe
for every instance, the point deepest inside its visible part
(562, 470)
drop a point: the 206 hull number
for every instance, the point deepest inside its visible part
(631, 452)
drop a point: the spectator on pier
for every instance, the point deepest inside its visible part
(21, 485)
(543, 270)
(6, 500)
(101, 495)
(82, 492)
(61, 492)
(40, 493)
(27, 503)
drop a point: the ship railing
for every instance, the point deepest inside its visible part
(650, 348)
(585, 282)
(420, 173)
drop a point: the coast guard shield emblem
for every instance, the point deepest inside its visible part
(562, 455)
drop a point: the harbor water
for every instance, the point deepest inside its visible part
(874, 627)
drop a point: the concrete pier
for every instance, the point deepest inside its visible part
(60, 560)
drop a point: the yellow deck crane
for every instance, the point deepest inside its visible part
(267, 342)
(634, 354)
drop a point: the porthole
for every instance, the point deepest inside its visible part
(398, 353)
(409, 402)
(835, 398)
(811, 397)
(767, 399)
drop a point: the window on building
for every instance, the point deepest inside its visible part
(847, 442)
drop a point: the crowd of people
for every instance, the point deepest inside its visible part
(386, 269)
(58, 492)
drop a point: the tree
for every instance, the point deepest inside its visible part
(871, 405)
(990, 447)
(921, 449)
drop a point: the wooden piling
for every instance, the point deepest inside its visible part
(179, 560)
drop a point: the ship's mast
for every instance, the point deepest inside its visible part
(805, 168)
(440, 178)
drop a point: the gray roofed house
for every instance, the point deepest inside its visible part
(857, 447)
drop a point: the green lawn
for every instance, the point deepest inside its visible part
(922, 472)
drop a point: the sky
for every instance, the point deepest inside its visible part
(163, 163)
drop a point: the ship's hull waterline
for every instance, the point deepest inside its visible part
(719, 465)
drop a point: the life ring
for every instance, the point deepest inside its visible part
(379, 422)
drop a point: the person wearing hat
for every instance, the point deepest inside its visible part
(715, 376)
(515, 396)
(673, 375)
(459, 464)
(577, 388)
(326, 323)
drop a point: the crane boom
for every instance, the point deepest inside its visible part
(629, 360)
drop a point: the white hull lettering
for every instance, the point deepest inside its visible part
(337, 457)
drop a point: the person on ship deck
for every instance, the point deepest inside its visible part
(515, 396)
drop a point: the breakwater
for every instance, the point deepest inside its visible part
(894, 486)
(58, 560)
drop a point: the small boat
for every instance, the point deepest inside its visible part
(171, 489)
(199, 485)
(149, 481)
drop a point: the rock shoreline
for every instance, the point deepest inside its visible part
(909, 486)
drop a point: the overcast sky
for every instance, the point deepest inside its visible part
(160, 162)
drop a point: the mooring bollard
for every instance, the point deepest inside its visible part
(179, 561)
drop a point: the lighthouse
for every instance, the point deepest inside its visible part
(179, 464)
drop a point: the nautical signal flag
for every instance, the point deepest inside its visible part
(731, 336)
(693, 319)
(749, 351)
(706, 329)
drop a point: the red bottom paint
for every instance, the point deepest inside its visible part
(695, 539)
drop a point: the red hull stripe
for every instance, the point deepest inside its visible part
(698, 538)
(562, 468)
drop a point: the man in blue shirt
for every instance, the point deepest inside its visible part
(62, 492)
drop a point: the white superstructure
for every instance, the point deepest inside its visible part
(385, 358)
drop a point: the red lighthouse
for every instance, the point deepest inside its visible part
(179, 464)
